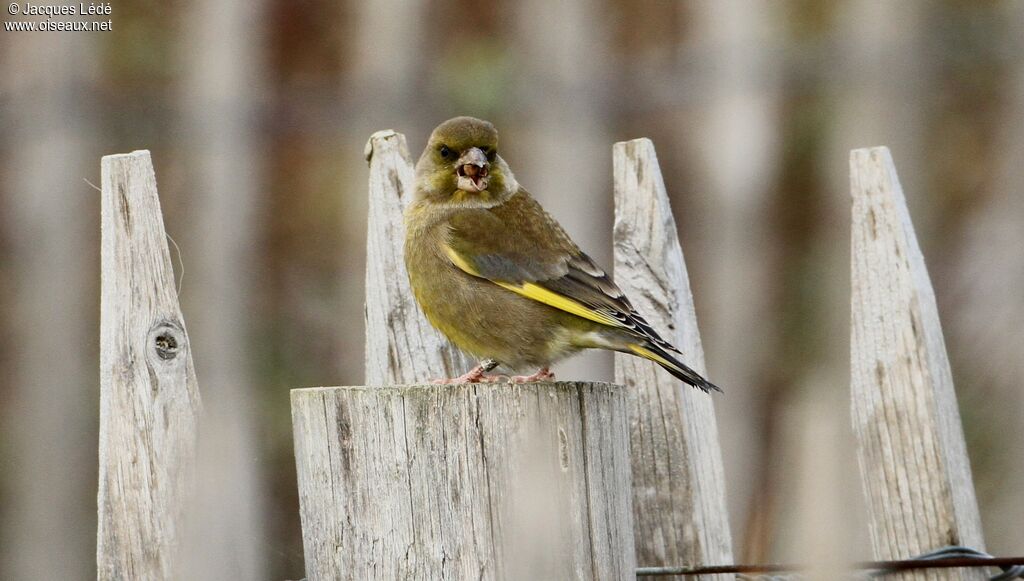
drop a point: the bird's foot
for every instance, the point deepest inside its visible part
(475, 375)
(543, 374)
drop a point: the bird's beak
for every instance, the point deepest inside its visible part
(473, 170)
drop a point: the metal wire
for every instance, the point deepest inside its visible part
(1010, 570)
(946, 557)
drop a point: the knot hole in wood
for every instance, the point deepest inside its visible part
(166, 340)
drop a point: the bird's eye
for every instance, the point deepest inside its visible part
(490, 153)
(445, 152)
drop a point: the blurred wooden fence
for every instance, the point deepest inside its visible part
(539, 481)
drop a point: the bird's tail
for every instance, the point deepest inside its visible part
(677, 368)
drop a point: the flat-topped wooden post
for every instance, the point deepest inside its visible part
(475, 481)
(913, 459)
(451, 482)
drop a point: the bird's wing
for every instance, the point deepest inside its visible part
(520, 247)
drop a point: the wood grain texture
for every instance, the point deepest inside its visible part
(473, 481)
(914, 465)
(679, 507)
(401, 346)
(149, 401)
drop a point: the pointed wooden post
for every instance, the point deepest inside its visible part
(149, 401)
(679, 509)
(913, 459)
(401, 346)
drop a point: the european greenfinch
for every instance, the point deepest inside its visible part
(499, 276)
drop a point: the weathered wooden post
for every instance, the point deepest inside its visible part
(491, 481)
(149, 402)
(401, 346)
(679, 508)
(914, 465)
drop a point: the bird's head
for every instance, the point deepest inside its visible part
(461, 166)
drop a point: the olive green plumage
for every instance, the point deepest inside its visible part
(499, 276)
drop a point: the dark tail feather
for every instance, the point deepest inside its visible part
(672, 365)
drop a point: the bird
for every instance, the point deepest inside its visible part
(500, 278)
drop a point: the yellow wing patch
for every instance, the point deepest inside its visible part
(562, 302)
(648, 354)
(460, 262)
(539, 294)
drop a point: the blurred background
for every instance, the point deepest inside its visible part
(257, 111)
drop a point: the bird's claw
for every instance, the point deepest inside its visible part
(474, 376)
(477, 375)
(543, 374)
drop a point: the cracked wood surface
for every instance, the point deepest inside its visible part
(149, 400)
(679, 508)
(472, 481)
(913, 459)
